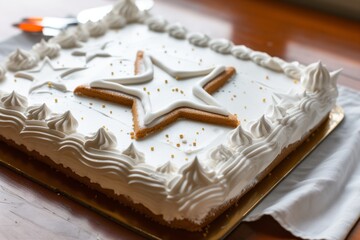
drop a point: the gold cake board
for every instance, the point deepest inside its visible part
(218, 229)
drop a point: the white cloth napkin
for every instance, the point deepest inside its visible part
(320, 199)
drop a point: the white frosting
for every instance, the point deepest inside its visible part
(167, 168)
(223, 46)
(65, 123)
(66, 39)
(177, 30)
(239, 137)
(114, 20)
(241, 52)
(157, 24)
(158, 172)
(102, 140)
(199, 39)
(81, 32)
(317, 78)
(127, 9)
(220, 154)
(263, 59)
(96, 29)
(38, 112)
(134, 154)
(260, 128)
(21, 60)
(14, 101)
(45, 49)
(2, 73)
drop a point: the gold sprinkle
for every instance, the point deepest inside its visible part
(166, 81)
(167, 135)
(203, 129)
(181, 136)
(103, 106)
(172, 156)
(181, 91)
(110, 112)
(296, 81)
(91, 104)
(148, 93)
(50, 85)
(264, 100)
(112, 73)
(176, 89)
(186, 159)
(144, 88)
(82, 118)
(194, 144)
(56, 100)
(267, 77)
(197, 133)
(152, 149)
(158, 89)
(178, 144)
(260, 88)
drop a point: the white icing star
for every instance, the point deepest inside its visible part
(93, 51)
(47, 75)
(207, 103)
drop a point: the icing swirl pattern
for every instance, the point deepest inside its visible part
(238, 137)
(134, 154)
(14, 101)
(45, 49)
(157, 24)
(222, 45)
(199, 39)
(261, 128)
(127, 9)
(102, 140)
(38, 112)
(317, 78)
(177, 30)
(96, 29)
(241, 52)
(65, 123)
(21, 60)
(66, 39)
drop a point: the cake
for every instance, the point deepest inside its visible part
(172, 123)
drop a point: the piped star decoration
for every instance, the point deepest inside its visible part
(47, 75)
(127, 91)
(91, 52)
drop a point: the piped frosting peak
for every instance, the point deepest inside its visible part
(275, 112)
(65, 123)
(102, 140)
(239, 137)
(317, 78)
(14, 101)
(167, 168)
(21, 60)
(260, 128)
(127, 9)
(39, 112)
(46, 49)
(220, 154)
(194, 176)
(134, 154)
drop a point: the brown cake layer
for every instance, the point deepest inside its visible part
(124, 200)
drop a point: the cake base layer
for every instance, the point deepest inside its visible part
(124, 200)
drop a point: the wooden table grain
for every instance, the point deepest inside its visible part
(29, 211)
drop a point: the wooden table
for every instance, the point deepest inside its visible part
(28, 211)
